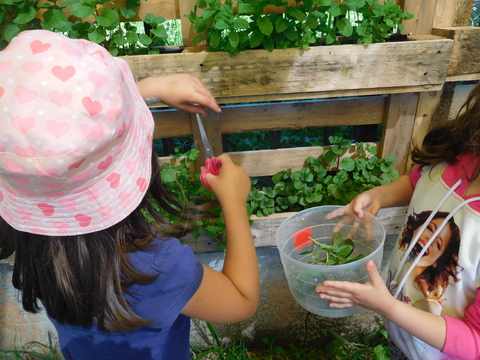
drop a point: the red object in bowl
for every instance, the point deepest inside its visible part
(302, 238)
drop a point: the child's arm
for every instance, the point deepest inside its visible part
(375, 296)
(232, 295)
(180, 91)
(397, 193)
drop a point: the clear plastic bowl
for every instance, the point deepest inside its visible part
(303, 277)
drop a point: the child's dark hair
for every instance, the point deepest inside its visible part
(461, 135)
(81, 279)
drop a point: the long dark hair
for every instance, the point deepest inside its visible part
(461, 135)
(81, 280)
(435, 278)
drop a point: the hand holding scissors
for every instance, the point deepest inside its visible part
(212, 165)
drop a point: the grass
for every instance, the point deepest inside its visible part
(362, 347)
(34, 350)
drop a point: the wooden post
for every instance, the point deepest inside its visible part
(184, 8)
(429, 14)
(427, 103)
(398, 128)
(212, 125)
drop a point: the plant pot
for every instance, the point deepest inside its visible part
(367, 234)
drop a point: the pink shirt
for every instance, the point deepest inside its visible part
(463, 335)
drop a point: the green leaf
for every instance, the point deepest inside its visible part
(337, 239)
(11, 30)
(55, 19)
(132, 37)
(344, 251)
(127, 13)
(345, 27)
(198, 39)
(240, 24)
(97, 35)
(215, 38)
(329, 157)
(295, 13)
(233, 38)
(281, 25)
(25, 17)
(119, 39)
(245, 8)
(154, 20)
(221, 25)
(256, 38)
(265, 25)
(108, 18)
(160, 32)
(347, 164)
(268, 43)
(335, 10)
(82, 10)
(144, 39)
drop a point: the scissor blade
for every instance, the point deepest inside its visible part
(203, 134)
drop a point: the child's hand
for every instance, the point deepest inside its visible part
(232, 185)
(180, 91)
(372, 295)
(368, 201)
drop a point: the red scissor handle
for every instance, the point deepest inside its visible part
(212, 166)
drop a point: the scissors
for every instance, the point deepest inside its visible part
(212, 165)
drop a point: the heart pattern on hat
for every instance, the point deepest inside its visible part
(73, 158)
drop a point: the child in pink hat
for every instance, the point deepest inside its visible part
(76, 161)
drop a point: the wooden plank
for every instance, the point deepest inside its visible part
(398, 128)
(269, 162)
(465, 57)
(184, 8)
(459, 97)
(465, 77)
(423, 12)
(323, 68)
(452, 13)
(427, 103)
(429, 14)
(264, 229)
(165, 8)
(211, 123)
(276, 116)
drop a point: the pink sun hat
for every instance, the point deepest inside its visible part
(75, 136)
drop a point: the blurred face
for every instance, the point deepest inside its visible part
(438, 246)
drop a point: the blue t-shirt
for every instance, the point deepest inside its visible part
(179, 276)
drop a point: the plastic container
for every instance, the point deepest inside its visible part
(303, 277)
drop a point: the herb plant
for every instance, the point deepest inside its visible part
(325, 180)
(232, 28)
(107, 28)
(338, 253)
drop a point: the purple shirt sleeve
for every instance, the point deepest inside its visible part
(463, 335)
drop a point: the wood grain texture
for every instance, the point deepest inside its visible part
(465, 58)
(398, 128)
(276, 116)
(319, 69)
(264, 229)
(429, 14)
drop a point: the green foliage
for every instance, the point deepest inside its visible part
(363, 346)
(185, 185)
(234, 29)
(119, 38)
(338, 253)
(373, 346)
(34, 350)
(221, 349)
(326, 180)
